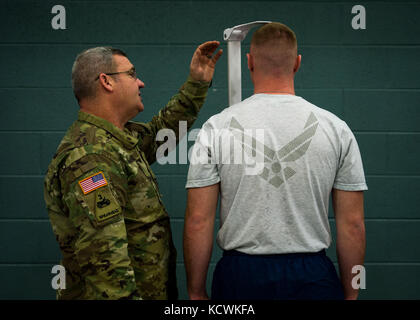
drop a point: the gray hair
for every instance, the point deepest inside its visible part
(87, 66)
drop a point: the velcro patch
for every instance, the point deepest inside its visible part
(106, 206)
(93, 182)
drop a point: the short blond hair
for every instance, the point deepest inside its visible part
(274, 48)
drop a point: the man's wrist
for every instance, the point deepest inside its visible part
(198, 296)
(352, 296)
(195, 89)
(199, 82)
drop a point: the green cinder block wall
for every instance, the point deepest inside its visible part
(369, 78)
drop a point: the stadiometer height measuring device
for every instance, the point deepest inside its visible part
(234, 37)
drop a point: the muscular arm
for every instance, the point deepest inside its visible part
(351, 242)
(198, 237)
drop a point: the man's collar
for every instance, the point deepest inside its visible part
(126, 139)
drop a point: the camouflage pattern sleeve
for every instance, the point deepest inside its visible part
(93, 193)
(183, 106)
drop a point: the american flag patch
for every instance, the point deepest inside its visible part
(93, 182)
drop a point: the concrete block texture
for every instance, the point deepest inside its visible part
(367, 77)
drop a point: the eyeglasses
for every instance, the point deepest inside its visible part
(132, 73)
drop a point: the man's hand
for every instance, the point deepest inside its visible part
(203, 61)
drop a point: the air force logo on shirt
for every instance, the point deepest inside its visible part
(274, 172)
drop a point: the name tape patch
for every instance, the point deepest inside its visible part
(93, 182)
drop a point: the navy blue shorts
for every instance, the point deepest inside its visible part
(294, 276)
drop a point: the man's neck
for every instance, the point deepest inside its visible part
(274, 86)
(104, 112)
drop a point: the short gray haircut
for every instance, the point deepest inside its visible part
(88, 65)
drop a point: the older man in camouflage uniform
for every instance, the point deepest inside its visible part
(102, 197)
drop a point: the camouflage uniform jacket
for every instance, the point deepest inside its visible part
(105, 207)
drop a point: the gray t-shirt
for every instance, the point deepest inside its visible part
(277, 158)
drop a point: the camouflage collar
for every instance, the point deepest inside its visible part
(124, 136)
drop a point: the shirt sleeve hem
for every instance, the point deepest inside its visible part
(201, 183)
(198, 83)
(351, 187)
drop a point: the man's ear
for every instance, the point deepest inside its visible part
(105, 82)
(250, 62)
(297, 63)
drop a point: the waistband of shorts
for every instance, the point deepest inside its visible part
(281, 255)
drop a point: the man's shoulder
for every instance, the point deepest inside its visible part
(250, 106)
(324, 115)
(221, 120)
(246, 106)
(140, 128)
(84, 140)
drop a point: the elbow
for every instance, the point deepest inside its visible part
(196, 222)
(357, 230)
(352, 229)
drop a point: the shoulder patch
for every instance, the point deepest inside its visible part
(93, 182)
(106, 205)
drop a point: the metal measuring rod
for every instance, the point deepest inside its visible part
(234, 36)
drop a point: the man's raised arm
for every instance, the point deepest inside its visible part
(185, 105)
